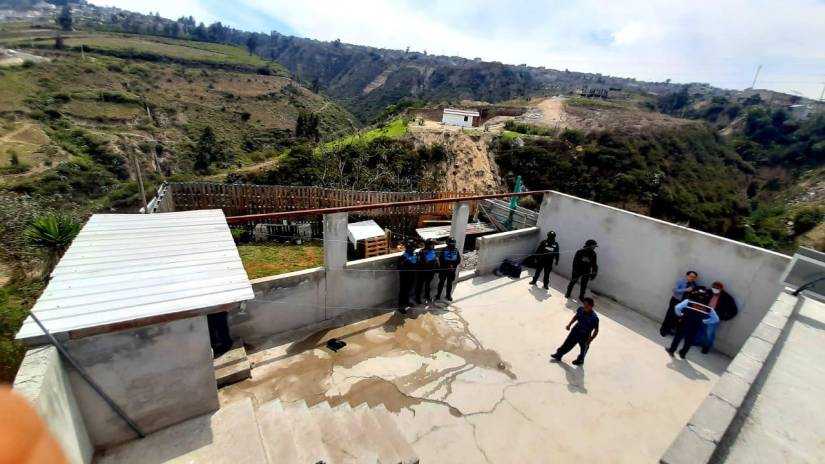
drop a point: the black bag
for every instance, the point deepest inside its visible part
(510, 268)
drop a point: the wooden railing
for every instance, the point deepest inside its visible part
(244, 199)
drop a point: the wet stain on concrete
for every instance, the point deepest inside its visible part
(402, 354)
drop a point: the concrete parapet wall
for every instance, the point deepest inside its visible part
(288, 301)
(44, 382)
(699, 441)
(640, 258)
(493, 249)
(282, 302)
(159, 375)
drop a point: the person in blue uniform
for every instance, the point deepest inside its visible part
(427, 265)
(582, 334)
(407, 267)
(585, 268)
(450, 259)
(546, 254)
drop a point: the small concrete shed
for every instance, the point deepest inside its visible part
(463, 118)
(129, 300)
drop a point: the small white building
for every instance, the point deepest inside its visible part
(463, 118)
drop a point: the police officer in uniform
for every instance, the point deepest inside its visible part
(450, 259)
(546, 253)
(585, 268)
(427, 264)
(407, 265)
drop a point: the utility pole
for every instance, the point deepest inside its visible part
(140, 184)
(755, 76)
(822, 94)
(82, 53)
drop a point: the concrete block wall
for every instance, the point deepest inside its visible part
(493, 249)
(43, 381)
(281, 303)
(640, 258)
(159, 375)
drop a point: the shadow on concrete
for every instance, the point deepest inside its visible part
(540, 294)
(574, 376)
(684, 367)
(810, 322)
(165, 444)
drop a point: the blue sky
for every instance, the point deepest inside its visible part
(720, 42)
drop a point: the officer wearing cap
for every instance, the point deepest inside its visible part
(450, 259)
(585, 268)
(427, 265)
(546, 253)
(407, 265)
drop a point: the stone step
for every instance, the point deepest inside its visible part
(372, 428)
(228, 435)
(338, 437)
(360, 438)
(276, 433)
(232, 366)
(306, 434)
(402, 448)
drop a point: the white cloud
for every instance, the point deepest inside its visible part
(720, 42)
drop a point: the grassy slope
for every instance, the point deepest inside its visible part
(105, 97)
(272, 259)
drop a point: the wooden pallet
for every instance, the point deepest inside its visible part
(376, 246)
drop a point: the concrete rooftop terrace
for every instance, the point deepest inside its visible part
(473, 382)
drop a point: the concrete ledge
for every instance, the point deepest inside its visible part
(493, 249)
(284, 280)
(700, 438)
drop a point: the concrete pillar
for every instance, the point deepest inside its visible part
(458, 226)
(545, 220)
(335, 260)
(335, 241)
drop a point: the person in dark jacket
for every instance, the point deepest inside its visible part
(681, 291)
(695, 314)
(450, 259)
(582, 334)
(725, 307)
(585, 268)
(546, 254)
(407, 267)
(427, 265)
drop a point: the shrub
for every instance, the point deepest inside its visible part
(52, 234)
(806, 219)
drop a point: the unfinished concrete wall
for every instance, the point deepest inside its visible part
(640, 258)
(44, 382)
(160, 375)
(366, 283)
(493, 249)
(282, 302)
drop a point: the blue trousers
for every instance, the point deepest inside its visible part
(704, 338)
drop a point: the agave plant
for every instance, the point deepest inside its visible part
(52, 233)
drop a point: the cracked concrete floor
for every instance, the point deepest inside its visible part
(472, 382)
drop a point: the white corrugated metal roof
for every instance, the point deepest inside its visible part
(461, 112)
(125, 267)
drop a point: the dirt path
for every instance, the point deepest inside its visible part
(548, 113)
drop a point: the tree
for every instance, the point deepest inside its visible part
(207, 150)
(252, 43)
(307, 126)
(52, 233)
(58, 43)
(64, 19)
(15, 159)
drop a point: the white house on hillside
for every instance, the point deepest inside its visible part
(464, 118)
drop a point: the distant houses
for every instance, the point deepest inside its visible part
(463, 118)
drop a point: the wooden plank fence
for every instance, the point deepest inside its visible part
(242, 199)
